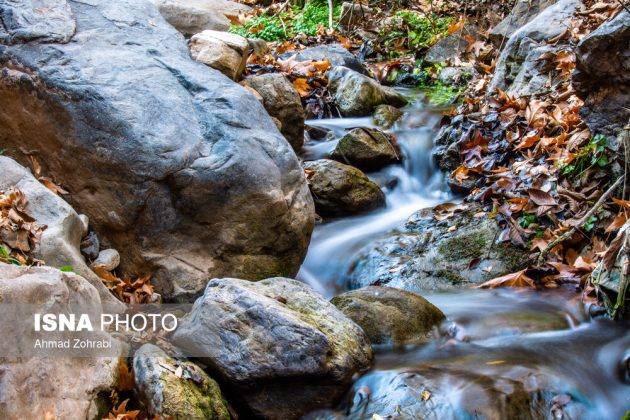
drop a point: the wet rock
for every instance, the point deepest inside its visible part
(109, 259)
(222, 51)
(90, 246)
(193, 16)
(450, 46)
(429, 394)
(357, 95)
(519, 70)
(41, 387)
(367, 149)
(336, 55)
(282, 349)
(172, 174)
(191, 395)
(390, 316)
(60, 243)
(522, 12)
(281, 101)
(386, 115)
(446, 146)
(430, 255)
(602, 76)
(340, 189)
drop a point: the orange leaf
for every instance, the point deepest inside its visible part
(302, 87)
(518, 279)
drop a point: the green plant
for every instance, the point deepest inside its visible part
(526, 219)
(590, 223)
(5, 255)
(439, 95)
(67, 269)
(416, 30)
(287, 24)
(594, 153)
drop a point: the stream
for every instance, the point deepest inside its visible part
(501, 354)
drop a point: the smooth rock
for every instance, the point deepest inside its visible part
(602, 76)
(455, 76)
(340, 189)
(357, 95)
(450, 47)
(181, 170)
(282, 349)
(220, 50)
(193, 16)
(519, 70)
(390, 316)
(90, 246)
(193, 395)
(336, 55)
(522, 12)
(367, 149)
(61, 241)
(109, 259)
(428, 255)
(385, 116)
(51, 387)
(281, 101)
(85, 221)
(47, 21)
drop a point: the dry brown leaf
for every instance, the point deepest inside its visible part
(518, 279)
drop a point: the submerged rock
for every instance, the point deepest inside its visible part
(602, 76)
(190, 395)
(340, 189)
(60, 243)
(193, 16)
(357, 95)
(431, 255)
(281, 348)
(335, 54)
(281, 101)
(386, 115)
(154, 147)
(367, 149)
(519, 71)
(51, 387)
(390, 316)
(222, 51)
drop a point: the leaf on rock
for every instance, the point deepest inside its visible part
(518, 279)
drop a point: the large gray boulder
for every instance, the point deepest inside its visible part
(390, 316)
(281, 348)
(191, 395)
(519, 71)
(339, 189)
(60, 242)
(427, 254)
(178, 168)
(193, 16)
(522, 12)
(450, 47)
(602, 76)
(50, 387)
(357, 95)
(281, 101)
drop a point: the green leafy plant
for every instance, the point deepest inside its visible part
(416, 30)
(526, 219)
(594, 153)
(67, 269)
(287, 24)
(439, 95)
(5, 256)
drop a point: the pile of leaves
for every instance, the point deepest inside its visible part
(131, 291)
(547, 178)
(19, 232)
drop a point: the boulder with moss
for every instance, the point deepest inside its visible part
(176, 389)
(357, 95)
(428, 254)
(340, 189)
(385, 116)
(367, 149)
(390, 316)
(280, 348)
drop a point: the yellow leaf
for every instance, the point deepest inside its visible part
(302, 87)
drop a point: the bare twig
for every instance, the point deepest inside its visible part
(568, 234)
(330, 14)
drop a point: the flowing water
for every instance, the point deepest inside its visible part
(501, 354)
